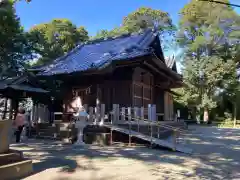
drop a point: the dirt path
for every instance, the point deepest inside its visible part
(216, 156)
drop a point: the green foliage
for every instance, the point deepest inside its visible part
(112, 33)
(228, 123)
(13, 44)
(141, 19)
(145, 17)
(53, 39)
(209, 35)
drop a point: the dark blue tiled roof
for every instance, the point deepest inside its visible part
(95, 54)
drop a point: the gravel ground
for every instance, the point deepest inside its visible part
(216, 155)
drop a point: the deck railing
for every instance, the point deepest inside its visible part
(131, 116)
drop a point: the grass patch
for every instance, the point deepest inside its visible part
(228, 123)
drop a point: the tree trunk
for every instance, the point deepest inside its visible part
(235, 114)
(205, 116)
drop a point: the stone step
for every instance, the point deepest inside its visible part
(16, 170)
(43, 125)
(46, 132)
(46, 137)
(9, 158)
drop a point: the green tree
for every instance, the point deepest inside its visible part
(141, 19)
(53, 39)
(208, 34)
(117, 31)
(13, 44)
(145, 17)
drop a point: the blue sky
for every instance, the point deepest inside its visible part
(93, 14)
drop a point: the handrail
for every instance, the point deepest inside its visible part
(158, 124)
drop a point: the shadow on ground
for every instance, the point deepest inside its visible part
(216, 156)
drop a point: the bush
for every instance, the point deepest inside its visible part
(227, 123)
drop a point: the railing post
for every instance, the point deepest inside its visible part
(85, 106)
(102, 114)
(95, 115)
(123, 114)
(114, 114)
(129, 124)
(154, 114)
(154, 119)
(150, 120)
(136, 117)
(117, 113)
(91, 115)
(142, 113)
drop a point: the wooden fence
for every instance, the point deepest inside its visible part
(118, 114)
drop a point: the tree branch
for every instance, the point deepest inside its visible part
(219, 2)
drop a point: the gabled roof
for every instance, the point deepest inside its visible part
(19, 83)
(96, 54)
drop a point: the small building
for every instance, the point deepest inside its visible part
(15, 89)
(129, 70)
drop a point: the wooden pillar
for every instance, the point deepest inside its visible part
(123, 114)
(136, 116)
(130, 126)
(166, 106)
(90, 114)
(11, 109)
(154, 114)
(5, 108)
(102, 113)
(15, 107)
(98, 96)
(96, 116)
(114, 121)
(142, 113)
(150, 119)
(117, 113)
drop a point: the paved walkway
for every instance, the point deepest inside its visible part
(216, 156)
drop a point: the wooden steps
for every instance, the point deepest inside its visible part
(58, 131)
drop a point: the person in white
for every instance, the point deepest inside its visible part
(81, 118)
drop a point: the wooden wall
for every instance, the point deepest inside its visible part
(115, 92)
(127, 87)
(168, 106)
(142, 85)
(87, 94)
(159, 101)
